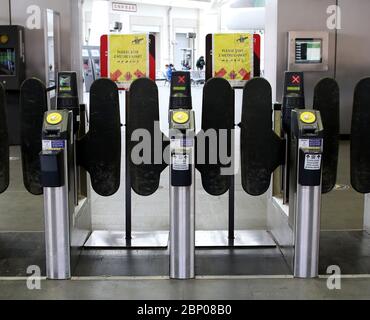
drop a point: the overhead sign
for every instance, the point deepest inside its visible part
(128, 7)
(128, 58)
(233, 57)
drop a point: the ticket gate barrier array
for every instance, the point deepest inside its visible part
(53, 152)
(258, 163)
(262, 151)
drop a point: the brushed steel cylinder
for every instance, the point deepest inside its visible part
(57, 229)
(307, 231)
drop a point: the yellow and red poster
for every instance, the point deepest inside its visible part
(233, 57)
(128, 58)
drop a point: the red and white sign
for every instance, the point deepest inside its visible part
(128, 7)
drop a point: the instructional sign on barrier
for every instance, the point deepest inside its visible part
(232, 57)
(127, 57)
(312, 162)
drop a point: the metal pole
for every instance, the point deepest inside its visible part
(128, 211)
(182, 236)
(232, 208)
(57, 227)
(307, 232)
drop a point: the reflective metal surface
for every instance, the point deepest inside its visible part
(307, 231)
(57, 228)
(367, 213)
(182, 235)
(243, 238)
(57, 238)
(117, 239)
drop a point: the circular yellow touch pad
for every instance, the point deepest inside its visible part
(308, 117)
(54, 118)
(180, 117)
(4, 39)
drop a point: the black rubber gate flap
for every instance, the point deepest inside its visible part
(218, 113)
(33, 101)
(326, 100)
(143, 114)
(99, 151)
(360, 142)
(4, 144)
(262, 151)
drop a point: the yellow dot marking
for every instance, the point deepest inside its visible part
(308, 117)
(4, 39)
(54, 118)
(180, 117)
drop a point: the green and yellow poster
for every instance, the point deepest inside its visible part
(233, 57)
(128, 58)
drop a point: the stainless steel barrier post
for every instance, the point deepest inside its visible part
(182, 194)
(305, 190)
(57, 180)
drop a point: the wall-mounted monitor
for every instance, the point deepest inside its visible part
(308, 51)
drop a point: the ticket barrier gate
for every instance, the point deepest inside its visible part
(182, 178)
(262, 151)
(306, 155)
(53, 157)
(57, 180)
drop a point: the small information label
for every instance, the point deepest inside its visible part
(180, 162)
(53, 144)
(310, 143)
(312, 162)
(182, 143)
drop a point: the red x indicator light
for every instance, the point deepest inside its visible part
(296, 80)
(181, 80)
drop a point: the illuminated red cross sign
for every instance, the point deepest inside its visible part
(296, 79)
(181, 79)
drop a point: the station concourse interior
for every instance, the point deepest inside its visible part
(259, 271)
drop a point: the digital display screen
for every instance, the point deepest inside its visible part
(308, 51)
(7, 62)
(65, 83)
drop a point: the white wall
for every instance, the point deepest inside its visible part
(165, 19)
(353, 54)
(349, 58)
(283, 16)
(4, 12)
